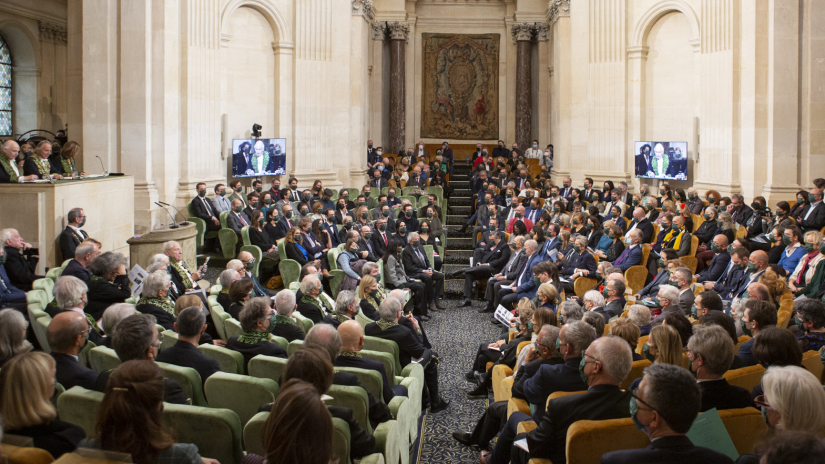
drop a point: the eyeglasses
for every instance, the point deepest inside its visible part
(639, 400)
(160, 340)
(761, 402)
(585, 355)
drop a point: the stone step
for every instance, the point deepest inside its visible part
(452, 231)
(456, 220)
(461, 257)
(460, 243)
(461, 211)
(462, 201)
(461, 192)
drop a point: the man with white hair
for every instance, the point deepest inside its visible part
(346, 307)
(244, 264)
(70, 295)
(84, 254)
(711, 351)
(182, 277)
(225, 279)
(21, 259)
(640, 315)
(668, 302)
(154, 299)
(632, 254)
(580, 263)
(312, 305)
(417, 266)
(642, 223)
(531, 248)
(9, 172)
(409, 349)
(283, 323)
(10, 296)
(112, 317)
(401, 295)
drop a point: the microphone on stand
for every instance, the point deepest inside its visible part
(184, 222)
(105, 173)
(174, 224)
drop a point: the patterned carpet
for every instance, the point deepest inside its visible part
(455, 334)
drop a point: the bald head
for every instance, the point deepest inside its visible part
(638, 214)
(10, 149)
(67, 332)
(759, 291)
(352, 336)
(244, 256)
(760, 259)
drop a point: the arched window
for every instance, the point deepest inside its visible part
(5, 89)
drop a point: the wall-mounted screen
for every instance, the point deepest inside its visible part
(258, 157)
(661, 160)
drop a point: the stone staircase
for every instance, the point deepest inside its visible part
(459, 247)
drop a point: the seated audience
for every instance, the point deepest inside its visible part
(664, 407)
(283, 324)
(628, 331)
(13, 341)
(239, 293)
(26, 388)
(109, 283)
(70, 294)
(640, 315)
(130, 418)
(226, 278)
(154, 299)
(758, 316)
(710, 354)
(21, 259)
(190, 325)
(346, 307)
(352, 342)
(704, 303)
(137, 338)
(775, 347)
(664, 345)
(112, 317)
(810, 319)
(73, 234)
(182, 278)
(396, 277)
(312, 305)
(410, 348)
(570, 311)
(418, 266)
(67, 334)
(86, 252)
(255, 320)
(39, 165)
(668, 300)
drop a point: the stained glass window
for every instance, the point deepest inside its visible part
(5, 89)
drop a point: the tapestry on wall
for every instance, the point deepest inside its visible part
(460, 86)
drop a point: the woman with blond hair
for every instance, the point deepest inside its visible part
(807, 277)
(13, 341)
(628, 331)
(26, 389)
(664, 345)
(371, 297)
(64, 162)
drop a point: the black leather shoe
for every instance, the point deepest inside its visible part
(466, 303)
(479, 377)
(470, 376)
(479, 393)
(464, 438)
(486, 310)
(424, 318)
(439, 407)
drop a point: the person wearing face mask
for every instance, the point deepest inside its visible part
(408, 216)
(203, 209)
(668, 301)
(758, 316)
(812, 216)
(603, 367)
(237, 219)
(579, 263)
(373, 157)
(417, 265)
(294, 195)
(632, 254)
(253, 201)
(664, 406)
(396, 277)
(508, 274)
(810, 320)
(710, 352)
(73, 234)
(401, 230)
(260, 238)
(286, 222)
(533, 152)
(487, 261)
(501, 151)
(220, 201)
(342, 211)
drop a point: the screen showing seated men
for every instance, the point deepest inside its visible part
(661, 160)
(258, 157)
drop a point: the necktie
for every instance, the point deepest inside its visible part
(289, 223)
(621, 257)
(208, 209)
(418, 253)
(384, 236)
(241, 218)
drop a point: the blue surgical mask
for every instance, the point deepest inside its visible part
(634, 408)
(581, 370)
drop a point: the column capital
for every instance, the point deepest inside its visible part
(557, 9)
(52, 32)
(379, 30)
(523, 31)
(542, 30)
(398, 30)
(363, 8)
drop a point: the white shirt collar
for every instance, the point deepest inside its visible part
(76, 229)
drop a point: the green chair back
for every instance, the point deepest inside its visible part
(39, 298)
(46, 285)
(387, 346)
(353, 193)
(83, 356)
(233, 328)
(219, 318)
(253, 433)
(131, 300)
(215, 289)
(216, 432)
(54, 273)
(282, 249)
(294, 346)
(230, 361)
(200, 225)
(303, 322)
(280, 341)
(79, 406)
(39, 328)
(223, 217)
(335, 283)
(429, 250)
(212, 300)
(422, 202)
(170, 337)
(267, 367)
(406, 191)
(103, 358)
(386, 359)
(290, 269)
(229, 242)
(245, 236)
(354, 398)
(332, 257)
(257, 254)
(189, 380)
(340, 440)
(371, 380)
(362, 319)
(240, 393)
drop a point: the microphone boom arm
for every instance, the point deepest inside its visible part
(174, 224)
(184, 222)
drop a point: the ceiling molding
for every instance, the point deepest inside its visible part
(32, 14)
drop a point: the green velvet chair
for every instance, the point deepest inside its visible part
(229, 242)
(303, 322)
(189, 380)
(233, 328)
(215, 289)
(46, 285)
(200, 225)
(170, 337)
(39, 328)
(83, 356)
(252, 249)
(280, 341)
(240, 393)
(103, 358)
(253, 442)
(230, 361)
(212, 300)
(387, 346)
(362, 319)
(290, 270)
(54, 273)
(411, 198)
(413, 380)
(282, 249)
(223, 218)
(266, 367)
(294, 346)
(353, 193)
(389, 436)
(79, 406)
(219, 318)
(422, 202)
(39, 298)
(216, 432)
(407, 191)
(337, 274)
(429, 250)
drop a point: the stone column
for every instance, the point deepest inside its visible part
(398, 42)
(558, 15)
(362, 14)
(523, 35)
(377, 114)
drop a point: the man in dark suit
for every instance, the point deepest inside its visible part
(447, 156)
(378, 180)
(588, 192)
(10, 296)
(79, 266)
(758, 316)
(710, 351)
(632, 255)
(574, 338)
(294, 196)
(603, 400)
(614, 301)
(237, 219)
(191, 324)
(21, 260)
(66, 335)
(380, 238)
(813, 216)
(740, 213)
(732, 280)
(253, 200)
(416, 180)
(642, 223)
(136, 337)
(662, 277)
(72, 235)
(664, 407)
(417, 266)
(330, 228)
(282, 324)
(372, 157)
(509, 296)
(642, 161)
(681, 278)
(719, 265)
(509, 273)
(365, 244)
(487, 261)
(579, 263)
(352, 342)
(203, 209)
(286, 222)
(410, 348)
(240, 160)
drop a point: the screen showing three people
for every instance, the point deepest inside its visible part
(661, 160)
(258, 157)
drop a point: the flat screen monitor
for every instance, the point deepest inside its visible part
(258, 157)
(661, 160)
